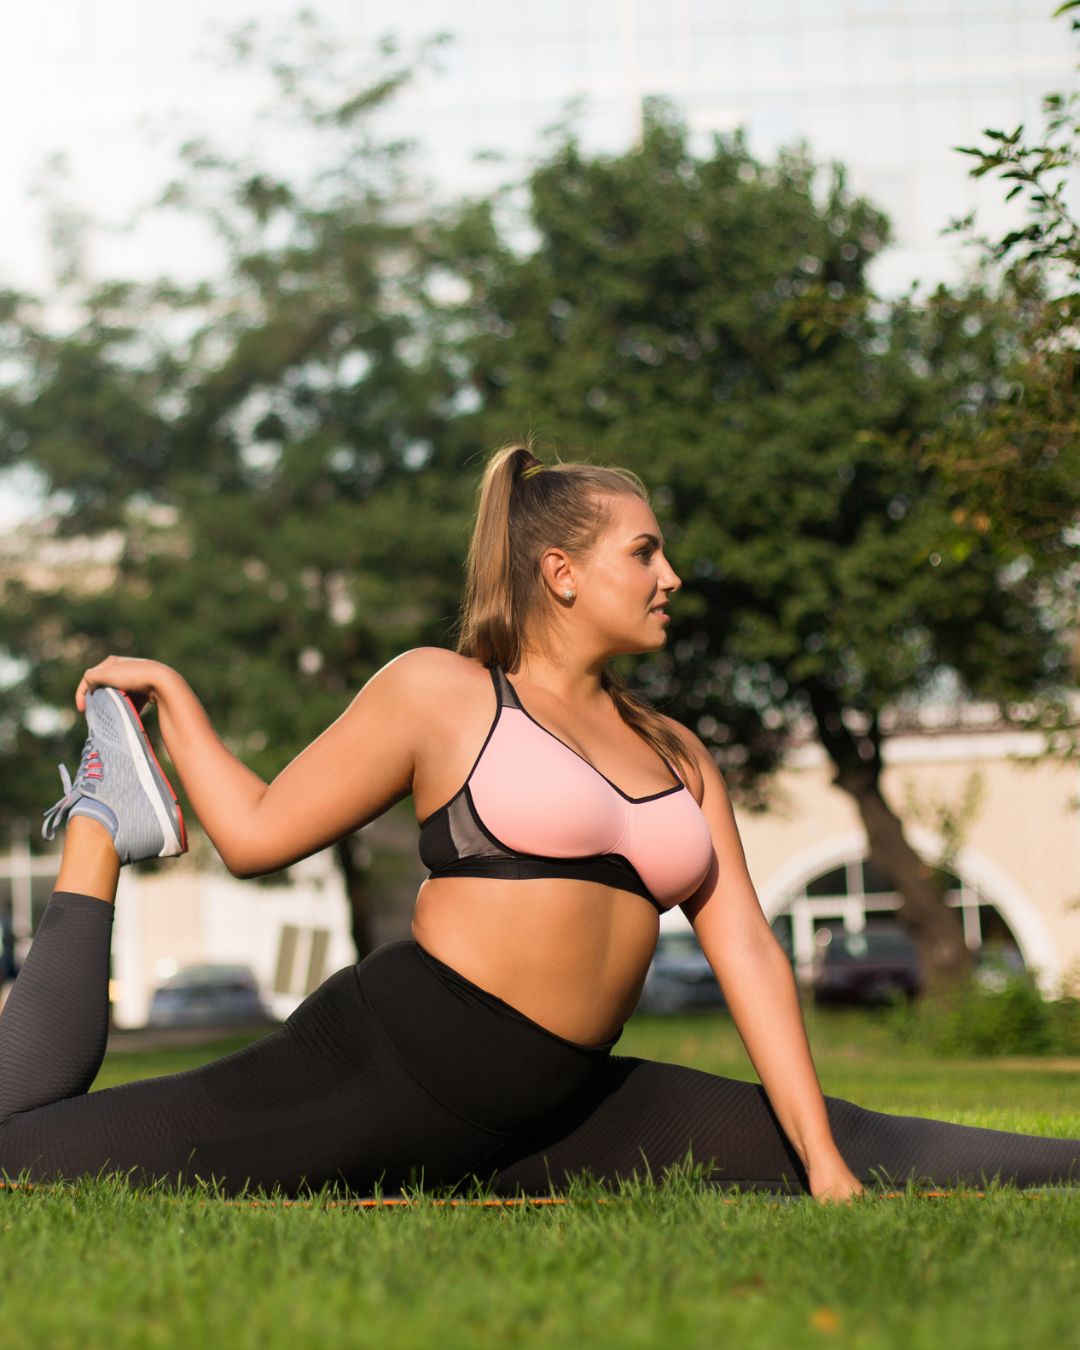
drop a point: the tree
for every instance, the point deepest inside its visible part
(1013, 467)
(706, 321)
(263, 450)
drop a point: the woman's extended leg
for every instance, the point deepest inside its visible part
(323, 1100)
(648, 1117)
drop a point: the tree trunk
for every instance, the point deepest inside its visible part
(935, 928)
(350, 853)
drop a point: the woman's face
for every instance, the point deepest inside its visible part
(623, 583)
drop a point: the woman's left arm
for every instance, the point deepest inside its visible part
(760, 990)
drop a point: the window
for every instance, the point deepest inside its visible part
(829, 883)
(857, 899)
(301, 959)
(875, 882)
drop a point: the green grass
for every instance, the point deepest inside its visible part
(651, 1266)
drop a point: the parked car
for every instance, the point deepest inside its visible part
(679, 978)
(211, 995)
(871, 967)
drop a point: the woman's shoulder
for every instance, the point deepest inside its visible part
(431, 674)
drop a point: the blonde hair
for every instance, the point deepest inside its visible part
(517, 518)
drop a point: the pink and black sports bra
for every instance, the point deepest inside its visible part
(533, 807)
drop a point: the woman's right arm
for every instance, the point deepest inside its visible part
(351, 773)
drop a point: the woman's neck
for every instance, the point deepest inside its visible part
(575, 681)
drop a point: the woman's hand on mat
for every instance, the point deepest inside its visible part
(834, 1183)
(139, 678)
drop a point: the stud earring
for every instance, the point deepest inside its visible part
(569, 595)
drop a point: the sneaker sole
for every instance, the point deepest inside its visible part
(158, 789)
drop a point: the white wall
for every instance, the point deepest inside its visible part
(180, 916)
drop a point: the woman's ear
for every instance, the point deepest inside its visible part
(558, 571)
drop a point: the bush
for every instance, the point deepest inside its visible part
(1003, 1016)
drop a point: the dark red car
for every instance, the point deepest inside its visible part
(872, 967)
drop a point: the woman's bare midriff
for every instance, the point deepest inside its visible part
(571, 955)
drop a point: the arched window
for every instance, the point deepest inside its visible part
(854, 894)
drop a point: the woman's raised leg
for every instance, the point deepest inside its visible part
(321, 1100)
(119, 808)
(55, 1023)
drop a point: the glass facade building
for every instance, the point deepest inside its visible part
(885, 86)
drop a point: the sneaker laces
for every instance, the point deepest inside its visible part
(89, 769)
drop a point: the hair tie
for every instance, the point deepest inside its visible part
(533, 468)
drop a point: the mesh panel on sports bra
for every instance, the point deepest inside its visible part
(454, 834)
(506, 693)
(468, 836)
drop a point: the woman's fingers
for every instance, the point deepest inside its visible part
(841, 1193)
(135, 675)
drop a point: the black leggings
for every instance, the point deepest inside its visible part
(400, 1071)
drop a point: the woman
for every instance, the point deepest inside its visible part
(559, 818)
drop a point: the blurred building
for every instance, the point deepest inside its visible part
(888, 87)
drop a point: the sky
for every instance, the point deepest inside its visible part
(111, 88)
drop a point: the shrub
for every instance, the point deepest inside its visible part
(1006, 1015)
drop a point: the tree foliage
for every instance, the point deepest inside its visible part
(1014, 468)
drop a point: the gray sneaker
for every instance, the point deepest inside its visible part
(120, 784)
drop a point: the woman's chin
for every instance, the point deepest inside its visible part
(641, 646)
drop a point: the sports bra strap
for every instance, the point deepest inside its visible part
(504, 690)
